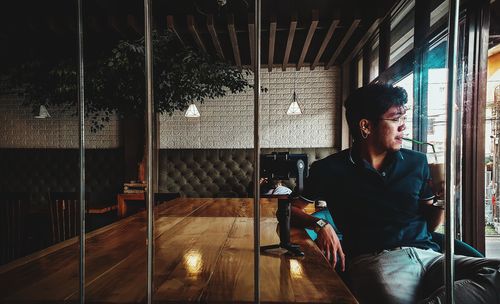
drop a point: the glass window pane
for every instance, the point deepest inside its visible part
(39, 148)
(359, 73)
(436, 98)
(407, 84)
(439, 11)
(374, 58)
(402, 31)
(115, 105)
(492, 150)
(204, 243)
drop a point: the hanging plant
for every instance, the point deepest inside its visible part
(116, 82)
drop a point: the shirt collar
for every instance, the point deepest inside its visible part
(354, 157)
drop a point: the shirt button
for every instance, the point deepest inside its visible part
(383, 174)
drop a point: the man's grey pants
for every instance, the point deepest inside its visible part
(412, 275)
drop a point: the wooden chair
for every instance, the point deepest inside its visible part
(64, 215)
(13, 212)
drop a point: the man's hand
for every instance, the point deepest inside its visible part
(432, 214)
(329, 243)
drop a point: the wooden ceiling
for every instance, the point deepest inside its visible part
(300, 34)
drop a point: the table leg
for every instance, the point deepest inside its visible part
(122, 207)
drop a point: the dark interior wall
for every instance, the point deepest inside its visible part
(39, 171)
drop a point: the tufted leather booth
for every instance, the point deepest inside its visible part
(216, 172)
(39, 171)
(190, 172)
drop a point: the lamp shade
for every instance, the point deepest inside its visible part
(43, 113)
(192, 111)
(294, 108)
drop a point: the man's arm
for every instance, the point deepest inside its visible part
(434, 215)
(327, 240)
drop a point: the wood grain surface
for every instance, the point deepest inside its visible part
(203, 253)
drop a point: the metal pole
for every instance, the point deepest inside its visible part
(256, 145)
(449, 269)
(149, 122)
(81, 127)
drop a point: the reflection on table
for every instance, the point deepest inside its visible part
(203, 252)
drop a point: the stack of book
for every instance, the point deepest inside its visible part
(134, 188)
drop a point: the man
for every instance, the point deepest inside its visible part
(273, 187)
(380, 198)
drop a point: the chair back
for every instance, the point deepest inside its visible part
(13, 212)
(64, 215)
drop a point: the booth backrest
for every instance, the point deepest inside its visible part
(190, 172)
(217, 172)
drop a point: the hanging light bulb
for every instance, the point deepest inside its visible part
(43, 113)
(192, 111)
(294, 108)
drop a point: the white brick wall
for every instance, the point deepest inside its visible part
(19, 129)
(224, 123)
(228, 122)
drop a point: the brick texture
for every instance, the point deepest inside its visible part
(19, 129)
(228, 122)
(224, 123)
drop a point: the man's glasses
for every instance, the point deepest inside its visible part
(399, 120)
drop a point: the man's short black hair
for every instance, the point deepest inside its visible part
(371, 102)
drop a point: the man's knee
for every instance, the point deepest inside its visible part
(477, 281)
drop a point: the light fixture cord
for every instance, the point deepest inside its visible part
(294, 80)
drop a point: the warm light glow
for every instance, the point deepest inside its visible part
(193, 261)
(296, 269)
(192, 111)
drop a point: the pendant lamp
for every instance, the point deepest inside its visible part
(294, 108)
(43, 113)
(192, 111)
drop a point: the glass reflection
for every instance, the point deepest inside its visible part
(39, 148)
(492, 181)
(296, 270)
(193, 262)
(204, 105)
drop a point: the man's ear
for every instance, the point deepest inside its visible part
(365, 126)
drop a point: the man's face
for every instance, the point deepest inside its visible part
(388, 132)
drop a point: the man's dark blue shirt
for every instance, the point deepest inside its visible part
(374, 210)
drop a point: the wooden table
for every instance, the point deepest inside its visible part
(121, 199)
(203, 252)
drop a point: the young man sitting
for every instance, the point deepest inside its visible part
(380, 198)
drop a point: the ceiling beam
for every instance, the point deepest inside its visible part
(213, 34)
(368, 34)
(132, 23)
(251, 35)
(272, 40)
(310, 34)
(327, 38)
(342, 43)
(234, 40)
(289, 41)
(194, 32)
(171, 28)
